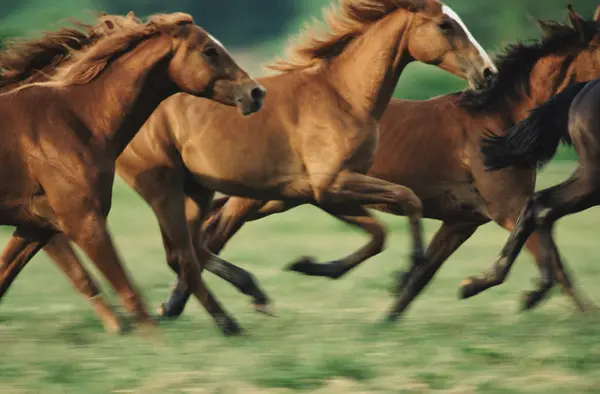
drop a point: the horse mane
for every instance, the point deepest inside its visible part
(517, 63)
(88, 63)
(25, 60)
(343, 23)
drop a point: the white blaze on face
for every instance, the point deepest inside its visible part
(216, 41)
(454, 16)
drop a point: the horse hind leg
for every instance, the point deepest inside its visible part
(445, 242)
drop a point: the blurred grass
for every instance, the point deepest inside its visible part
(328, 338)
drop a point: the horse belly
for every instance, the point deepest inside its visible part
(254, 170)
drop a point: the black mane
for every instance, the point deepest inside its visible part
(518, 60)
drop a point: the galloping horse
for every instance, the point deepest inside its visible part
(316, 135)
(432, 146)
(571, 117)
(58, 161)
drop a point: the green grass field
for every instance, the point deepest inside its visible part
(327, 338)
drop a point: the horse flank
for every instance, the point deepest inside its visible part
(343, 23)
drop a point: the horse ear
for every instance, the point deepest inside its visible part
(597, 14)
(579, 24)
(574, 17)
(130, 15)
(103, 13)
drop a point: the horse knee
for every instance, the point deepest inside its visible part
(410, 204)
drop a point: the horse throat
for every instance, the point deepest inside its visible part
(366, 73)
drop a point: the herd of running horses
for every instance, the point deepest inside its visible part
(163, 104)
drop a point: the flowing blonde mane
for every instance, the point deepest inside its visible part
(343, 23)
(88, 63)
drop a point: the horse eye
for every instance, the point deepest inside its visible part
(445, 26)
(210, 52)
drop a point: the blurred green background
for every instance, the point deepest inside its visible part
(260, 28)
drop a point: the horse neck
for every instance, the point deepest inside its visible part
(118, 102)
(548, 76)
(365, 74)
(586, 66)
(36, 76)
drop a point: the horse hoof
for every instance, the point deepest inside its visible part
(468, 288)
(402, 278)
(228, 326)
(265, 309)
(116, 326)
(529, 300)
(166, 312)
(305, 265)
(391, 318)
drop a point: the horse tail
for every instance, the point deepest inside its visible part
(533, 141)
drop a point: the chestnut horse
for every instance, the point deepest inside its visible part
(58, 167)
(316, 135)
(571, 117)
(454, 187)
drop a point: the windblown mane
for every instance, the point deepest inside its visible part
(88, 63)
(343, 24)
(518, 61)
(29, 60)
(23, 60)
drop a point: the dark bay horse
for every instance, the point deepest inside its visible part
(316, 135)
(454, 187)
(58, 166)
(572, 117)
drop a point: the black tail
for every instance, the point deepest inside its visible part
(533, 141)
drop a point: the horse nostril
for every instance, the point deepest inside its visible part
(257, 93)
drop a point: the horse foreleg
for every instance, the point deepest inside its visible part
(169, 205)
(445, 242)
(19, 250)
(60, 251)
(352, 191)
(223, 224)
(355, 216)
(578, 193)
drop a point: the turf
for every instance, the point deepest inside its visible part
(328, 337)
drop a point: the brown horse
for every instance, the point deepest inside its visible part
(454, 188)
(571, 117)
(58, 167)
(316, 135)
(31, 60)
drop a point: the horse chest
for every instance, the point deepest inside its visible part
(361, 149)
